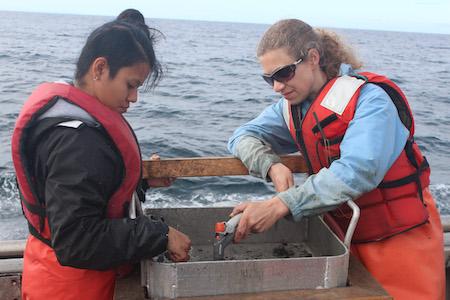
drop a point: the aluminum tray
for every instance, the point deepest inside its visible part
(291, 255)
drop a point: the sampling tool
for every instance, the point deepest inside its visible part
(224, 236)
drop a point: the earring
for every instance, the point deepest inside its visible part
(95, 78)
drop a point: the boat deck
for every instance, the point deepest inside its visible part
(361, 285)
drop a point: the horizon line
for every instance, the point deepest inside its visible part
(223, 21)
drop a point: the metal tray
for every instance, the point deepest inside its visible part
(303, 255)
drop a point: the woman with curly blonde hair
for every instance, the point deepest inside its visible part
(356, 134)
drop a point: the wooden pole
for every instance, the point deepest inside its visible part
(210, 166)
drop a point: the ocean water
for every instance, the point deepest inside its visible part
(211, 86)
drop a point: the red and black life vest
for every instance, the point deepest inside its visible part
(396, 205)
(117, 128)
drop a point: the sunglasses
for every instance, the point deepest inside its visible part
(282, 74)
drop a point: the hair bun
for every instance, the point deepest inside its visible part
(133, 16)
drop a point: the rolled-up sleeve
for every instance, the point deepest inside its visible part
(259, 142)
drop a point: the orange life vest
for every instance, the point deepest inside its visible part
(40, 262)
(114, 124)
(396, 205)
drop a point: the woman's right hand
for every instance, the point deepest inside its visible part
(281, 176)
(178, 246)
(258, 216)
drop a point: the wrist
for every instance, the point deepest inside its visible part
(280, 208)
(272, 168)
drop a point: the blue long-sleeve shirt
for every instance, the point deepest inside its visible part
(373, 141)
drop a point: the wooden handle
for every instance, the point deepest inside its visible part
(209, 166)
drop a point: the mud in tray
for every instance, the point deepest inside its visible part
(303, 255)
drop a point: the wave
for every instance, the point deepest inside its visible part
(159, 200)
(197, 192)
(433, 61)
(433, 144)
(9, 197)
(397, 80)
(440, 47)
(233, 61)
(441, 193)
(190, 97)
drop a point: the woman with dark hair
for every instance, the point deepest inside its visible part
(78, 167)
(356, 134)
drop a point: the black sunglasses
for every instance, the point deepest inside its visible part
(282, 74)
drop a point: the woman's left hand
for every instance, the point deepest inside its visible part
(258, 216)
(159, 182)
(281, 176)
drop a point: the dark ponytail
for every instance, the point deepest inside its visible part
(123, 43)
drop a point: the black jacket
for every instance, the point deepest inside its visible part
(76, 171)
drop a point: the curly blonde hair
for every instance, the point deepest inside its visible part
(297, 37)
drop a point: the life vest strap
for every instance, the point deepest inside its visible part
(333, 141)
(402, 108)
(405, 180)
(412, 158)
(38, 210)
(325, 122)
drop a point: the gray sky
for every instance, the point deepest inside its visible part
(397, 15)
